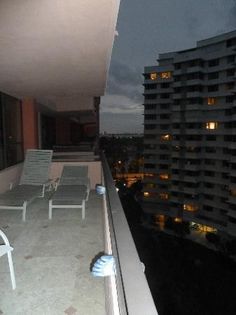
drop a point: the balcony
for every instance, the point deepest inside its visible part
(52, 258)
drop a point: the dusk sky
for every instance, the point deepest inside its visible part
(147, 28)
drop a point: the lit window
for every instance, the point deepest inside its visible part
(206, 228)
(211, 101)
(165, 137)
(164, 196)
(160, 221)
(190, 207)
(211, 125)
(233, 192)
(153, 76)
(164, 176)
(146, 194)
(150, 185)
(165, 75)
(178, 220)
(202, 228)
(149, 175)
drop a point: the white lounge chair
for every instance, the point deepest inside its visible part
(32, 184)
(72, 189)
(7, 249)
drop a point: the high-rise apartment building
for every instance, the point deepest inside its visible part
(190, 134)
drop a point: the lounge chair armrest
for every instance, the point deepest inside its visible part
(56, 182)
(49, 184)
(12, 185)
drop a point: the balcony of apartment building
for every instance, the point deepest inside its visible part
(52, 258)
(51, 86)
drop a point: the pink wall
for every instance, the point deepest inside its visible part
(30, 124)
(10, 175)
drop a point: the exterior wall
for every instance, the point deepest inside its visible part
(30, 124)
(190, 123)
(9, 175)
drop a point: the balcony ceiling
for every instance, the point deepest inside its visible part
(56, 51)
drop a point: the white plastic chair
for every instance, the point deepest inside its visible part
(7, 249)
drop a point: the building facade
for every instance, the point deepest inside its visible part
(190, 134)
(51, 81)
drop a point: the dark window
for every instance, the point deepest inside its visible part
(209, 185)
(165, 95)
(177, 90)
(150, 106)
(230, 59)
(232, 220)
(230, 85)
(207, 208)
(213, 62)
(178, 66)
(149, 165)
(212, 88)
(209, 173)
(213, 75)
(164, 127)
(164, 106)
(164, 116)
(165, 85)
(230, 72)
(163, 157)
(150, 86)
(11, 142)
(163, 166)
(149, 127)
(150, 146)
(209, 197)
(150, 97)
(150, 117)
(210, 150)
(231, 42)
(210, 138)
(209, 162)
(229, 99)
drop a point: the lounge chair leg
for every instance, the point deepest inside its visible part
(50, 210)
(43, 191)
(83, 209)
(13, 280)
(24, 210)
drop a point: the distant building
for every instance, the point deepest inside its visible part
(190, 134)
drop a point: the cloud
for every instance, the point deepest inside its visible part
(124, 90)
(120, 104)
(124, 74)
(125, 80)
(121, 123)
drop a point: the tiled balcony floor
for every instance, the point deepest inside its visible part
(52, 261)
